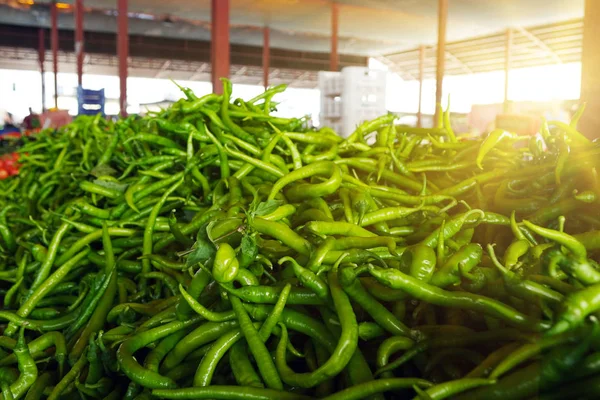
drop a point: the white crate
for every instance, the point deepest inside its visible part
(333, 123)
(351, 97)
(350, 122)
(330, 83)
(364, 96)
(331, 107)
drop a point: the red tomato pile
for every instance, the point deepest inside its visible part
(9, 165)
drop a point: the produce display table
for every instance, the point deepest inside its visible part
(217, 251)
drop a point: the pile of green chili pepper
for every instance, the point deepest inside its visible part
(215, 251)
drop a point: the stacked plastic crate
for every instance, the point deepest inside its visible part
(330, 86)
(350, 97)
(91, 102)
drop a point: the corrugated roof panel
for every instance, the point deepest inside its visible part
(533, 46)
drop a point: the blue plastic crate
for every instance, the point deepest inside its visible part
(91, 102)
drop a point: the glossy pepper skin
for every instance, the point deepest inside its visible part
(463, 261)
(226, 264)
(215, 250)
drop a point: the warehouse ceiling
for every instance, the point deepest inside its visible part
(391, 24)
(544, 32)
(367, 27)
(557, 43)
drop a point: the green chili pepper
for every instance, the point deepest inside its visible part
(431, 294)
(225, 265)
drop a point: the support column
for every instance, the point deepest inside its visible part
(54, 46)
(589, 124)
(41, 60)
(421, 73)
(266, 55)
(441, 55)
(219, 43)
(333, 55)
(122, 53)
(79, 39)
(507, 60)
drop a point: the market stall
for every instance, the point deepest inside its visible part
(218, 232)
(228, 244)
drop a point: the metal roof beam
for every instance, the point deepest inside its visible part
(456, 60)
(163, 69)
(540, 43)
(198, 72)
(392, 67)
(241, 71)
(146, 67)
(301, 77)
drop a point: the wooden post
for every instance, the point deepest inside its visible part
(266, 55)
(41, 60)
(589, 124)
(219, 43)
(441, 55)
(507, 59)
(333, 56)
(79, 39)
(421, 73)
(123, 53)
(54, 46)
